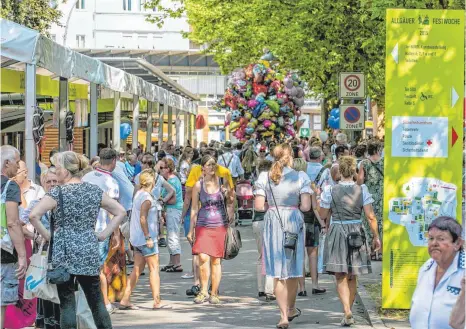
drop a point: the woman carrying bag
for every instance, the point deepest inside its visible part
(208, 229)
(285, 190)
(74, 245)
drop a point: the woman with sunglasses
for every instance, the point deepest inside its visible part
(208, 228)
(173, 209)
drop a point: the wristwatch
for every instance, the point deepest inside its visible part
(148, 238)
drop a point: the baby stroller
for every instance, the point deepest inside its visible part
(245, 197)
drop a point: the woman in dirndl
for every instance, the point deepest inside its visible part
(284, 189)
(346, 202)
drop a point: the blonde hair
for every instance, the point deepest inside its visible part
(283, 155)
(74, 163)
(147, 178)
(347, 166)
(170, 164)
(299, 164)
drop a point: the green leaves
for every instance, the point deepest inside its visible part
(318, 38)
(35, 14)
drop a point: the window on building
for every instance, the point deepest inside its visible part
(128, 41)
(127, 5)
(194, 45)
(80, 41)
(142, 42)
(80, 4)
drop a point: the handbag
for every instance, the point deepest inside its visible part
(290, 239)
(355, 240)
(35, 284)
(232, 239)
(84, 318)
(60, 274)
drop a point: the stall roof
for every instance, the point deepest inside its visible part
(23, 45)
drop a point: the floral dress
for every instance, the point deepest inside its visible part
(373, 179)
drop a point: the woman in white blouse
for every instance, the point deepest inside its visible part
(346, 252)
(285, 190)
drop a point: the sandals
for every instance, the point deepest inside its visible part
(298, 314)
(282, 326)
(165, 268)
(347, 321)
(176, 268)
(302, 293)
(128, 307)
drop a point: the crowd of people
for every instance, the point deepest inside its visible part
(116, 210)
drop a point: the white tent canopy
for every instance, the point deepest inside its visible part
(22, 44)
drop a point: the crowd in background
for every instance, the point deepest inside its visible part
(116, 210)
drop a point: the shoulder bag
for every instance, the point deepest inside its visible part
(233, 238)
(6, 243)
(60, 274)
(290, 239)
(377, 168)
(355, 240)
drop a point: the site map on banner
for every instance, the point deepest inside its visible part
(424, 121)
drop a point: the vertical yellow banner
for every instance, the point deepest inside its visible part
(423, 139)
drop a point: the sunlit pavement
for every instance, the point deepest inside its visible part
(240, 306)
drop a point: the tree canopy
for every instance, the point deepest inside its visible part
(39, 15)
(318, 38)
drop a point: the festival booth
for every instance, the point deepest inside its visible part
(60, 93)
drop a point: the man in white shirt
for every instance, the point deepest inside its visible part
(232, 162)
(102, 177)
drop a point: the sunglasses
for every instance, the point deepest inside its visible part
(162, 168)
(147, 162)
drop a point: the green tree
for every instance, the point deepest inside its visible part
(318, 38)
(39, 15)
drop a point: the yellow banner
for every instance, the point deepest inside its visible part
(14, 82)
(423, 141)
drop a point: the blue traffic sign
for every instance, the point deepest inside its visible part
(352, 114)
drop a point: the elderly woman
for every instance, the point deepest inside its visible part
(75, 206)
(439, 280)
(285, 190)
(343, 257)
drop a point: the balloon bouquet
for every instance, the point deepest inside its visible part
(334, 118)
(262, 101)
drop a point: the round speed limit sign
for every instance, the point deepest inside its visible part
(352, 82)
(352, 85)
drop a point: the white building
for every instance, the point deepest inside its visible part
(117, 32)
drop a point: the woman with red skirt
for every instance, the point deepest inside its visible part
(209, 222)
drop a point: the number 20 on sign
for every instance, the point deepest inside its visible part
(352, 85)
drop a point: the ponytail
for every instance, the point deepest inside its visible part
(283, 158)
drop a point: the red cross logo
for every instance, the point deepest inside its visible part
(429, 142)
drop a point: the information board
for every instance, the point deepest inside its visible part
(423, 121)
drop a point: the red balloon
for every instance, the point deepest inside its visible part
(200, 122)
(258, 88)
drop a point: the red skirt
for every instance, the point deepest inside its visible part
(210, 241)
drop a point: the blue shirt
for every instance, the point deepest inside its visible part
(176, 184)
(431, 308)
(125, 186)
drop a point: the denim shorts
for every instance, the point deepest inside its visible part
(9, 284)
(104, 247)
(146, 252)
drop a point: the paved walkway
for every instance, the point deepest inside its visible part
(240, 307)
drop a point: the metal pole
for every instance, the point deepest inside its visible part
(93, 137)
(116, 122)
(177, 126)
(190, 128)
(194, 141)
(170, 123)
(63, 106)
(160, 111)
(28, 120)
(185, 128)
(135, 121)
(150, 126)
